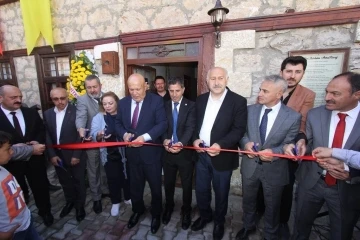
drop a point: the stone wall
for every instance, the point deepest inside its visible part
(27, 79)
(76, 20)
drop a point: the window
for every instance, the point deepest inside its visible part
(53, 71)
(7, 72)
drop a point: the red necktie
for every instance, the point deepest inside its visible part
(337, 143)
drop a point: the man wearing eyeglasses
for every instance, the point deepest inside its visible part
(69, 164)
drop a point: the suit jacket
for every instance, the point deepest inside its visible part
(34, 131)
(302, 100)
(283, 131)
(317, 132)
(186, 121)
(68, 133)
(34, 127)
(229, 127)
(152, 120)
(86, 109)
(184, 129)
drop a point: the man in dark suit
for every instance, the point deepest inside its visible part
(141, 118)
(221, 117)
(333, 125)
(271, 125)
(26, 126)
(180, 114)
(69, 164)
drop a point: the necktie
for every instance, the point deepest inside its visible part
(337, 143)
(16, 124)
(263, 125)
(135, 116)
(175, 118)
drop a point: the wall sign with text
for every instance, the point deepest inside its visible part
(322, 66)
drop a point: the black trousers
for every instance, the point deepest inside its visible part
(182, 163)
(117, 181)
(286, 197)
(152, 174)
(72, 180)
(34, 171)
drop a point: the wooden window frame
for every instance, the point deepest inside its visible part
(43, 81)
(13, 80)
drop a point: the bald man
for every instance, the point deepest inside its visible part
(141, 118)
(26, 126)
(69, 164)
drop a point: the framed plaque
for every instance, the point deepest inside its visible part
(322, 66)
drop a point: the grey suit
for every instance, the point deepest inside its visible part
(272, 175)
(86, 109)
(21, 152)
(342, 199)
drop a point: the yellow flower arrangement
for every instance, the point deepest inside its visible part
(81, 67)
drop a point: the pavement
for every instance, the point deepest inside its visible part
(103, 226)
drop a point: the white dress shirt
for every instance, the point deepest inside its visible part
(271, 116)
(211, 111)
(19, 116)
(60, 114)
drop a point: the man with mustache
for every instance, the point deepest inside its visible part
(160, 88)
(26, 126)
(221, 117)
(86, 108)
(332, 125)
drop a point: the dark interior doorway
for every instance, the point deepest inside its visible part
(188, 71)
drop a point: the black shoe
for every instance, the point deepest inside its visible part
(105, 195)
(218, 231)
(53, 188)
(66, 209)
(80, 214)
(134, 220)
(155, 224)
(244, 233)
(97, 207)
(167, 216)
(186, 220)
(200, 223)
(284, 231)
(48, 219)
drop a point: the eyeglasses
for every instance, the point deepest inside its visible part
(58, 99)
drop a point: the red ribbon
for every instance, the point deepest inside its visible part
(87, 145)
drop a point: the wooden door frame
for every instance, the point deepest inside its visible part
(204, 59)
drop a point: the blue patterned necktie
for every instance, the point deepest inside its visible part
(175, 118)
(263, 125)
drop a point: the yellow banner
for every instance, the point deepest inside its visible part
(37, 20)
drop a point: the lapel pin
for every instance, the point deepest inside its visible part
(185, 104)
